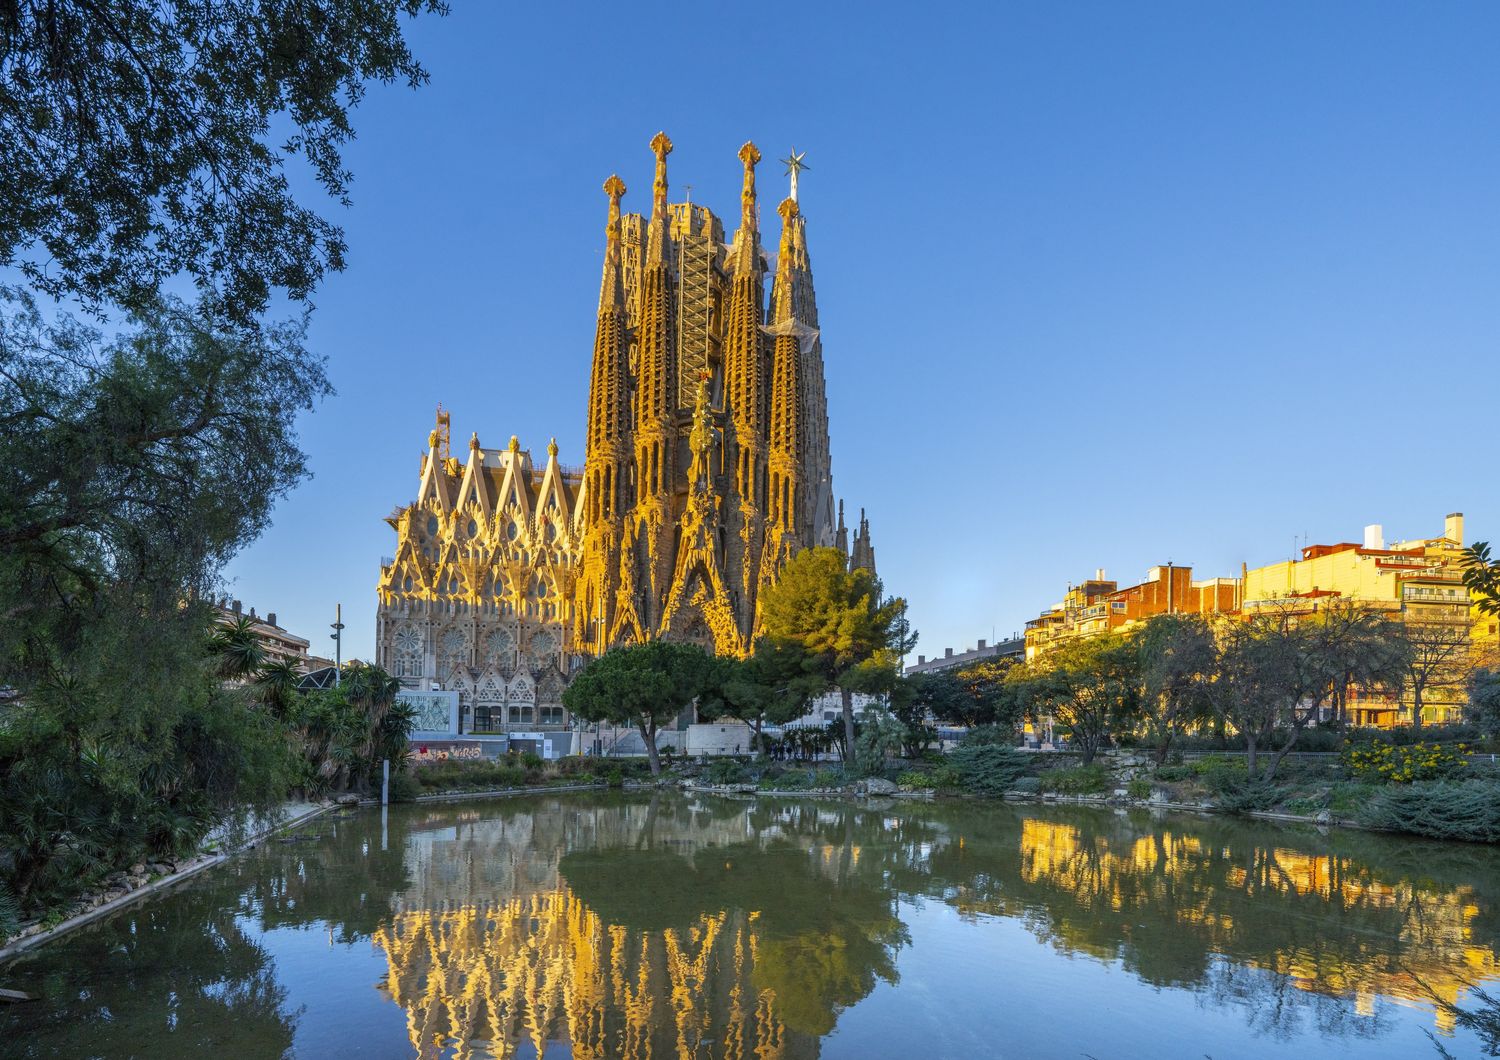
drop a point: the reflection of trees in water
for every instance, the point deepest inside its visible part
(1278, 1005)
(1352, 915)
(177, 972)
(694, 933)
(719, 928)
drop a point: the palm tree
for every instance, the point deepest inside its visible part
(236, 649)
(275, 685)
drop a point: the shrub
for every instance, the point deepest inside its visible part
(915, 778)
(726, 771)
(1220, 774)
(983, 735)
(404, 787)
(1390, 764)
(1176, 774)
(532, 760)
(615, 778)
(1079, 780)
(946, 777)
(988, 769)
(1139, 788)
(469, 776)
(1028, 785)
(10, 913)
(1467, 810)
(1243, 795)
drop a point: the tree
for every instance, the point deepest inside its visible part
(1433, 655)
(1090, 684)
(1351, 645)
(237, 649)
(1483, 710)
(1176, 652)
(1482, 577)
(130, 471)
(834, 629)
(644, 685)
(1265, 682)
(759, 690)
(911, 709)
(138, 141)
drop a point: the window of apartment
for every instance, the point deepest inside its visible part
(552, 715)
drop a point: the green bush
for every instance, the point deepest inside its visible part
(469, 776)
(1079, 780)
(1243, 795)
(985, 735)
(1379, 761)
(405, 787)
(1027, 785)
(988, 769)
(1139, 788)
(1443, 809)
(10, 913)
(1176, 774)
(726, 771)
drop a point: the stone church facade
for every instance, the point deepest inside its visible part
(706, 468)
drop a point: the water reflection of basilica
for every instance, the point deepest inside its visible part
(688, 960)
(668, 928)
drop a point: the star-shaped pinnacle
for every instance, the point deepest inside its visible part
(795, 164)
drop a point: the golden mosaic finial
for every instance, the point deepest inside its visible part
(474, 440)
(515, 444)
(661, 145)
(614, 187)
(749, 155)
(552, 449)
(432, 439)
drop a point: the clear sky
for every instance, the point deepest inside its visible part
(1100, 285)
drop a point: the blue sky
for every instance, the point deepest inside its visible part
(1100, 285)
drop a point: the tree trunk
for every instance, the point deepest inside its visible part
(848, 699)
(1276, 762)
(649, 736)
(1162, 747)
(1416, 706)
(1250, 757)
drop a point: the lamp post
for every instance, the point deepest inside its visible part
(338, 642)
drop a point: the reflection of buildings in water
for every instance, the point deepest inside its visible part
(1407, 942)
(536, 965)
(542, 969)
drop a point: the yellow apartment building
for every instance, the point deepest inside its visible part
(1417, 581)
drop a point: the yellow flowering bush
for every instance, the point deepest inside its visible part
(1389, 764)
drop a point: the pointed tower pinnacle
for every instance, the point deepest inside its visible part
(657, 247)
(612, 286)
(784, 462)
(794, 165)
(750, 155)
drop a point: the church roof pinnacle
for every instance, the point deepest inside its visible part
(657, 248)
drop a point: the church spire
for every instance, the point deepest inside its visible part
(609, 408)
(657, 244)
(612, 287)
(655, 407)
(785, 459)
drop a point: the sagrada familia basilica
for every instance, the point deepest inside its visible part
(706, 467)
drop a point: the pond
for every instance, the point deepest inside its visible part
(656, 926)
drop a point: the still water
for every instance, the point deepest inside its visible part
(673, 927)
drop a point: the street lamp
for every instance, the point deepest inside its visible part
(338, 642)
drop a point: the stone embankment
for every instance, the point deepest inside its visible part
(151, 877)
